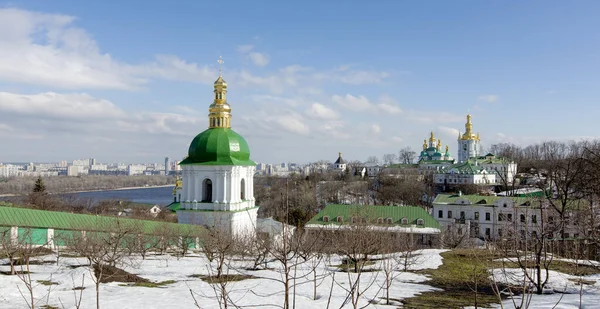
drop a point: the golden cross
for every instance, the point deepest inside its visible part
(220, 62)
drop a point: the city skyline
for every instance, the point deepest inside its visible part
(306, 81)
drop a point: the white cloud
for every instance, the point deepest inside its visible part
(259, 59)
(375, 129)
(386, 104)
(448, 131)
(490, 98)
(351, 102)
(320, 111)
(292, 124)
(244, 49)
(71, 106)
(48, 49)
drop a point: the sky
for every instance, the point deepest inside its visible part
(131, 81)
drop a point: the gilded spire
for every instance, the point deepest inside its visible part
(431, 138)
(439, 145)
(447, 149)
(424, 144)
(219, 112)
(469, 130)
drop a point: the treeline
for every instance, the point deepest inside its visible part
(63, 184)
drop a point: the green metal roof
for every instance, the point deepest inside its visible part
(32, 218)
(174, 206)
(219, 146)
(372, 213)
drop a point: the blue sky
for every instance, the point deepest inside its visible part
(130, 81)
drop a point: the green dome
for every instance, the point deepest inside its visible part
(437, 154)
(219, 146)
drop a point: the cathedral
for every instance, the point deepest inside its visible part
(218, 175)
(432, 152)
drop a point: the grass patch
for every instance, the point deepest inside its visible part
(47, 282)
(150, 284)
(114, 274)
(456, 277)
(223, 278)
(48, 307)
(569, 268)
(78, 288)
(348, 265)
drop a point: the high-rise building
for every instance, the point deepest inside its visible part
(167, 166)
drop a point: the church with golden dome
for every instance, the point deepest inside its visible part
(217, 187)
(468, 143)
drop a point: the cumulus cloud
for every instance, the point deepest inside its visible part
(490, 98)
(48, 49)
(82, 107)
(80, 113)
(292, 124)
(351, 102)
(386, 104)
(259, 59)
(320, 111)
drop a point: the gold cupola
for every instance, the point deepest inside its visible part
(469, 135)
(219, 112)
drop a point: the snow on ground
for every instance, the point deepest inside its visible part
(566, 288)
(266, 290)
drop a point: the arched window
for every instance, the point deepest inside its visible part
(325, 218)
(243, 190)
(339, 219)
(380, 220)
(389, 220)
(404, 221)
(420, 221)
(207, 191)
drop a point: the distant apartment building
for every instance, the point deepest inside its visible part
(9, 170)
(99, 167)
(136, 169)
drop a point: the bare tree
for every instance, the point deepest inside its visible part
(10, 247)
(104, 247)
(406, 155)
(389, 158)
(220, 247)
(355, 241)
(372, 160)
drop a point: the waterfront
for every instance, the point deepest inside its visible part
(152, 195)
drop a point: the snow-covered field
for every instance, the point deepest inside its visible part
(266, 291)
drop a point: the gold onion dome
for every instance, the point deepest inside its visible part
(219, 112)
(469, 135)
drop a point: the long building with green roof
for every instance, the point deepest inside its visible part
(42, 226)
(394, 219)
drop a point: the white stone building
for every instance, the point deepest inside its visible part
(496, 217)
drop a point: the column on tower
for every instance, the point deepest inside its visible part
(225, 198)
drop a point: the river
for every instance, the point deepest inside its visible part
(155, 195)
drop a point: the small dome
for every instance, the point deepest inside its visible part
(219, 146)
(220, 81)
(437, 154)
